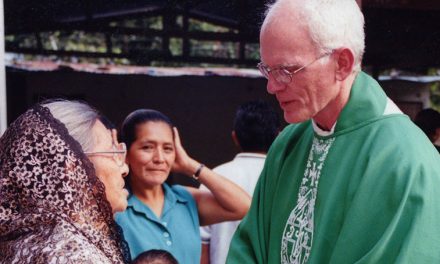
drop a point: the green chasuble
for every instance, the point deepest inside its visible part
(369, 192)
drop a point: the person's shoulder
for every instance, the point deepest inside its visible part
(68, 246)
(120, 217)
(399, 146)
(295, 128)
(77, 249)
(181, 192)
(403, 137)
(225, 165)
(288, 137)
(177, 188)
(292, 131)
(227, 168)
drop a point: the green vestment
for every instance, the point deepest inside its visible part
(367, 193)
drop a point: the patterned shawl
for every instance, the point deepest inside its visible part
(52, 205)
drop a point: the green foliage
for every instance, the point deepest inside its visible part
(129, 44)
(435, 96)
(74, 41)
(176, 46)
(142, 22)
(197, 25)
(434, 90)
(134, 45)
(252, 51)
(21, 41)
(214, 49)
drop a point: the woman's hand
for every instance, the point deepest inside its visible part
(183, 163)
(226, 201)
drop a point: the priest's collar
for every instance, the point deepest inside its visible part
(321, 131)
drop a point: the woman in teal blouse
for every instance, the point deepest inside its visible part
(160, 216)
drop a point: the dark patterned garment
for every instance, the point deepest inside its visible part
(52, 205)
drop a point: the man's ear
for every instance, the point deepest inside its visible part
(344, 63)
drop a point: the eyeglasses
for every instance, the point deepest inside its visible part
(283, 74)
(119, 152)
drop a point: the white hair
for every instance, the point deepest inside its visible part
(78, 118)
(331, 24)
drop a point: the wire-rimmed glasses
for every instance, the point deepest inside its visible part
(119, 152)
(283, 74)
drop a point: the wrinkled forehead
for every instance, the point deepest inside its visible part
(284, 37)
(290, 45)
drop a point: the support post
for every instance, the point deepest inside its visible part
(3, 108)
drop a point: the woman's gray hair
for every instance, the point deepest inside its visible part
(78, 118)
(332, 24)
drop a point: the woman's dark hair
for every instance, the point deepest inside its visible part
(428, 120)
(155, 256)
(138, 117)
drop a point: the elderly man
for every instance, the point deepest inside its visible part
(353, 180)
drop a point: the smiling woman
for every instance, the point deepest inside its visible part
(56, 204)
(160, 216)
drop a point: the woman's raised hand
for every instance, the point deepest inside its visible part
(183, 163)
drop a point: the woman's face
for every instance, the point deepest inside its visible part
(151, 155)
(108, 169)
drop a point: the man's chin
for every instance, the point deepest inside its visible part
(293, 117)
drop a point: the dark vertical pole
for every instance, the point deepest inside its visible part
(375, 71)
(3, 99)
(242, 10)
(39, 42)
(169, 25)
(108, 42)
(185, 41)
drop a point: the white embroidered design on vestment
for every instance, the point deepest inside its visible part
(297, 237)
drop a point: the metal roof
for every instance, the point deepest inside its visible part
(402, 34)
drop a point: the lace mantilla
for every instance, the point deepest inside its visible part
(53, 207)
(298, 233)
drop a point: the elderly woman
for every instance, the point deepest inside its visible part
(160, 216)
(61, 181)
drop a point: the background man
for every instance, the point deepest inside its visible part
(353, 180)
(256, 125)
(429, 122)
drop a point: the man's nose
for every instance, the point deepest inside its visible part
(274, 86)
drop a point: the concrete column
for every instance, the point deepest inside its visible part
(3, 113)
